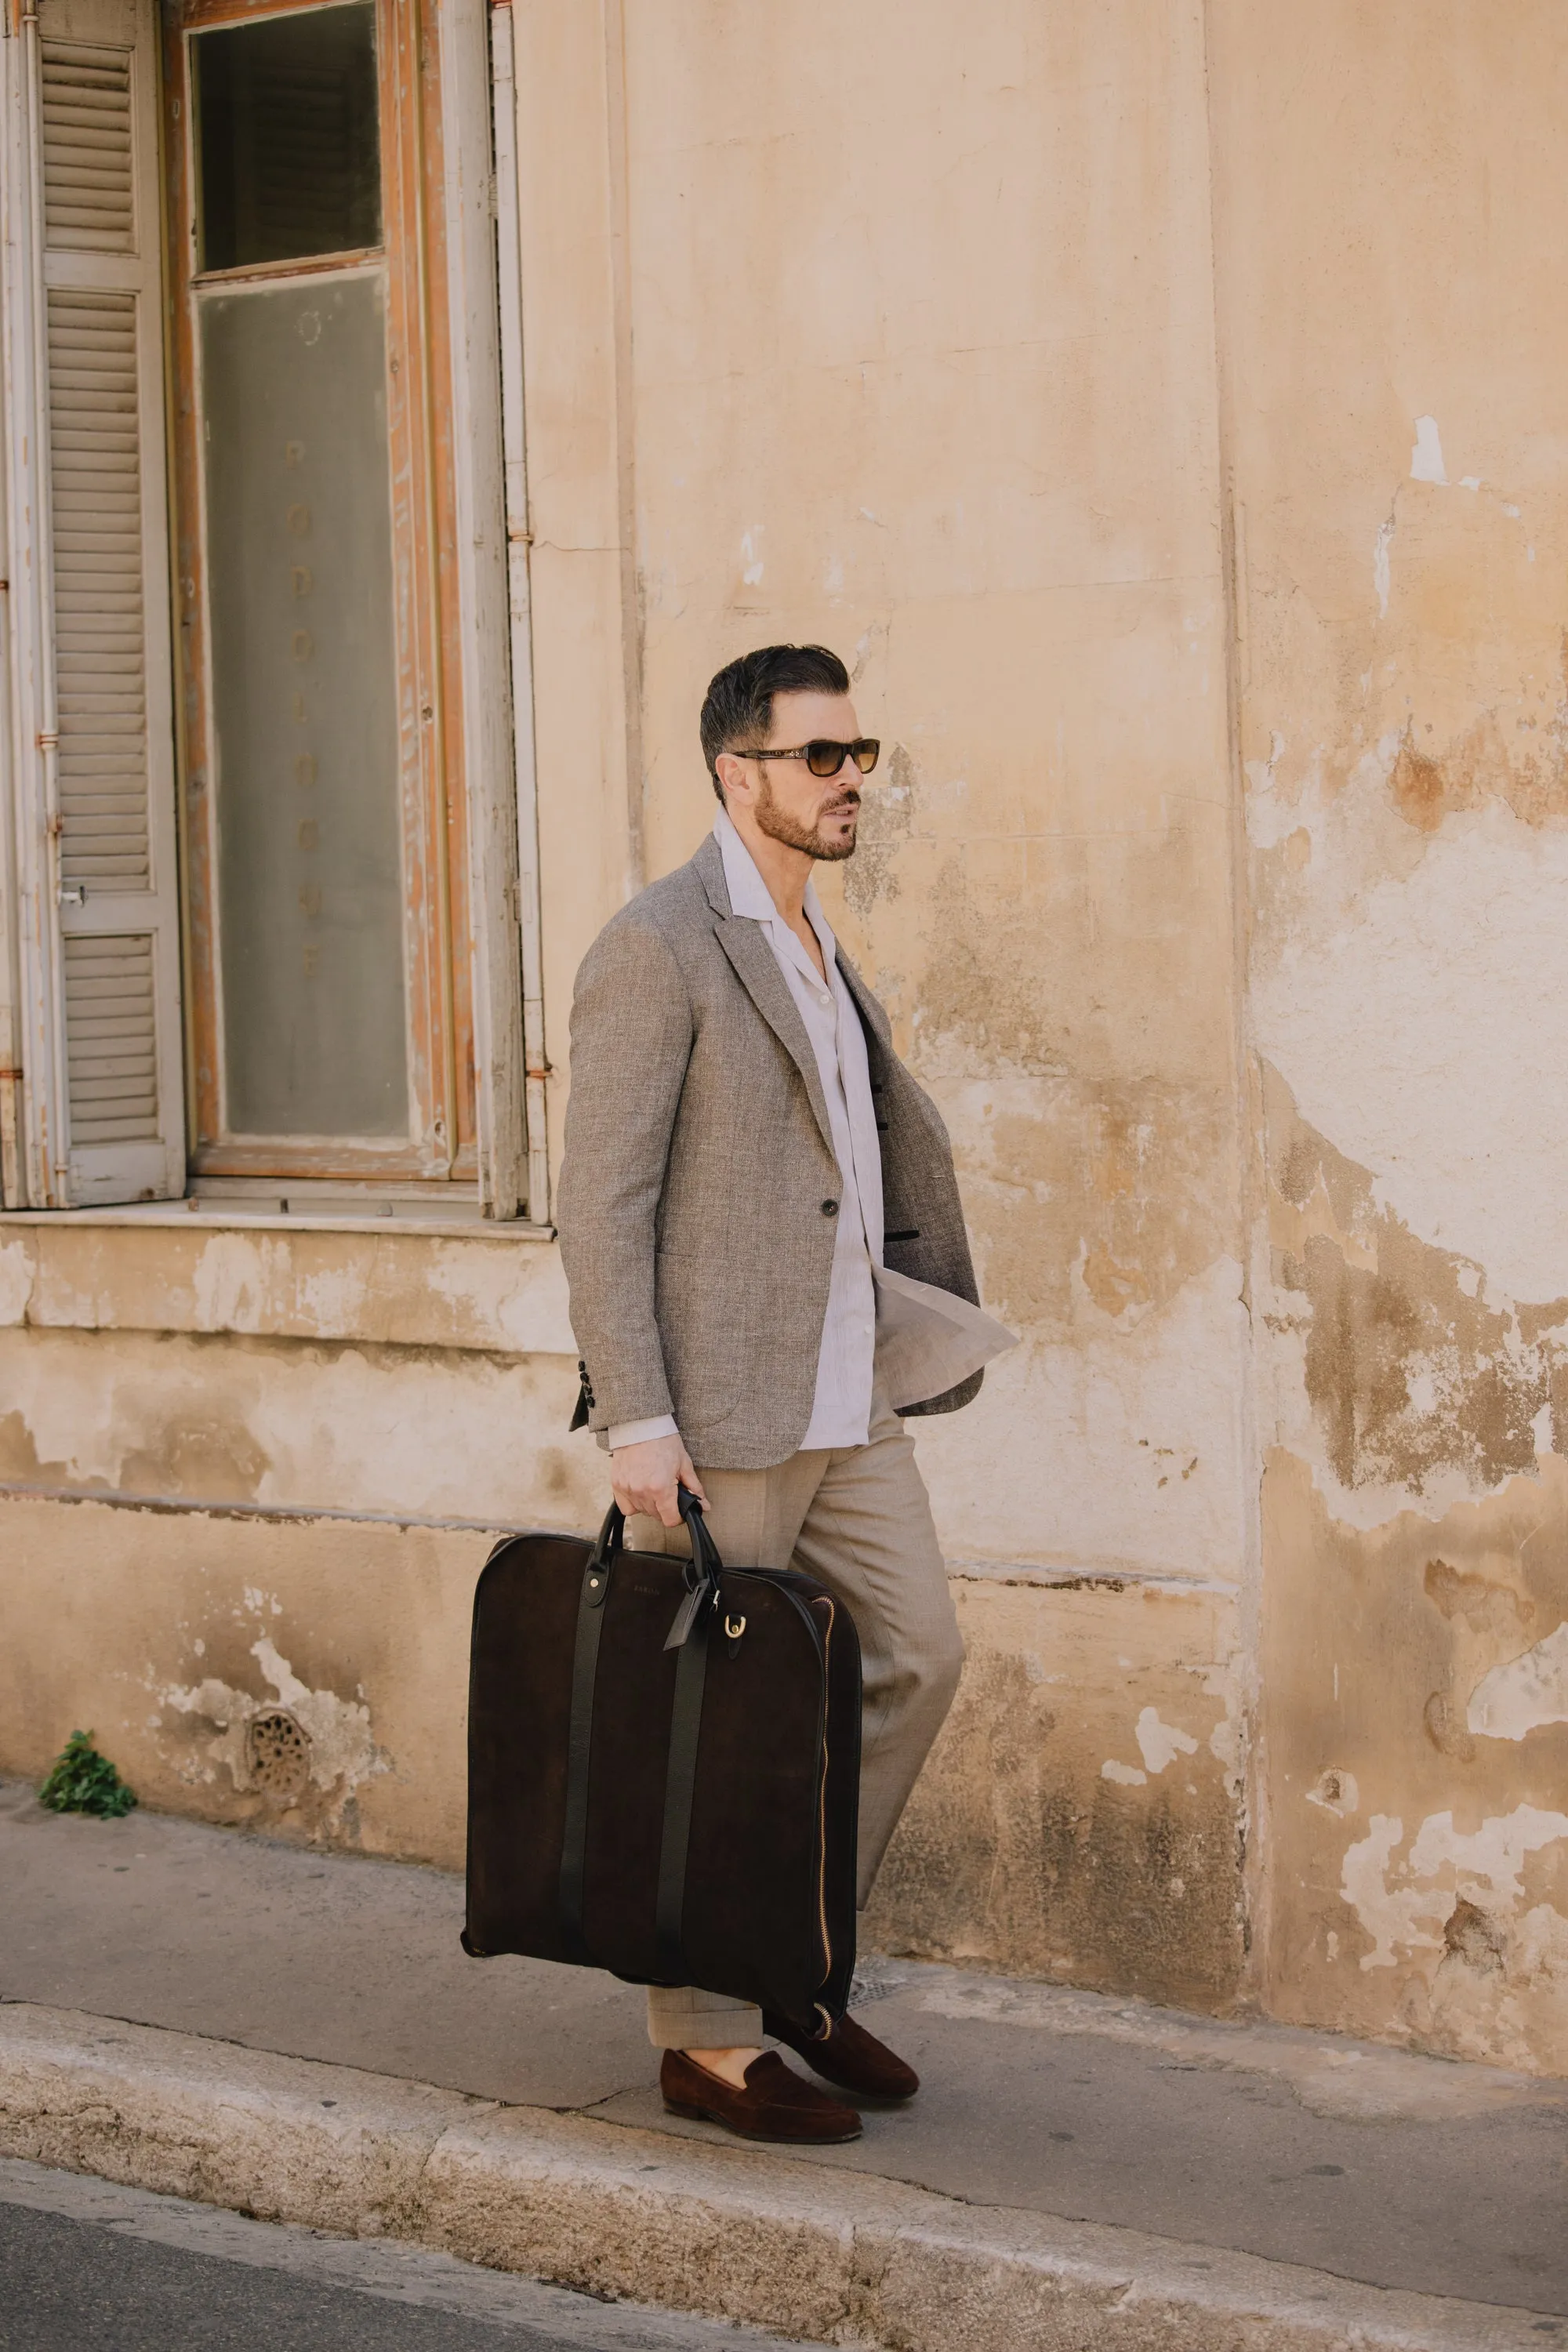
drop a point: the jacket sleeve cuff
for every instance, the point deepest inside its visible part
(637, 1433)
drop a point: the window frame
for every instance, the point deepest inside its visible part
(477, 617)
(449, 1077)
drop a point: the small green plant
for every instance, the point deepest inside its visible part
(83, 1781)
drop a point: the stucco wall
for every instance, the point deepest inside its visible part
(1159, 406)
(245, 1472)
(1391, 222)
(920, 361)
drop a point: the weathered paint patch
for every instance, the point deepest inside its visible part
(1420, 1844)
(1410, 986)
(490, 1292)
(1526, 1692)
(15, 1279)
(1159, 1743)
(441, 1433)
(174, 1632)
(1427, 453)
(1416, 1379)
(1021, 1850)
(338, 1751)
(1446, 1873)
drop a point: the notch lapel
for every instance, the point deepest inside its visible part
(757, 969)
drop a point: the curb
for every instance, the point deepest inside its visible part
(832, 2256)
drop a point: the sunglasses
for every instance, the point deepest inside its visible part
(824, 758)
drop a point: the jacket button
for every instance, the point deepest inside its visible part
(830, 1208)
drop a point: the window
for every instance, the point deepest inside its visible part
(260, 944)
(326, 853)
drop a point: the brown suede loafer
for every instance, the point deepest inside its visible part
(850, 2057)
(775, 2104)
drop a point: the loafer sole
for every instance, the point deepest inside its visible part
(864, 2090)
(696, 2115)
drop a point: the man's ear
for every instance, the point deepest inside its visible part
(732, 775)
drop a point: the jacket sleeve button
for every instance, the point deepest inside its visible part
(830, 1208)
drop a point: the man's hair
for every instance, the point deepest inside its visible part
(740, 704)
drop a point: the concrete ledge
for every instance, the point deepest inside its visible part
(828, 2255)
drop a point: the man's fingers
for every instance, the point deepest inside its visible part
(690, 1481)
(659, 1503)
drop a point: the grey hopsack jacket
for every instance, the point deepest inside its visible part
(693, 1204)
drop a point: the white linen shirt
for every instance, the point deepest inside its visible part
(841, 1408)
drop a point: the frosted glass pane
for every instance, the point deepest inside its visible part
(304, 690)
(288, 156)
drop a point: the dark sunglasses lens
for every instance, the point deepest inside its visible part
(825, 759)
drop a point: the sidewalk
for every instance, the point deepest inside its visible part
(1058, 2133)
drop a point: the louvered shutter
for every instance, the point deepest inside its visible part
(117, 979)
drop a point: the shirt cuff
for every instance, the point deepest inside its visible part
(638, 1433)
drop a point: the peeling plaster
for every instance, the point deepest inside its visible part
(1443, 1866)
(15, 1281)
(1524, 1694)
(1338, 1792)
(1159, 1743)
(1415, 1032)
(449, 1434)
(1426, 454)
(1386, 1647)
(1394, 1367)
(343, 1752)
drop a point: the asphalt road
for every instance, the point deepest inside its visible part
(88, 2267)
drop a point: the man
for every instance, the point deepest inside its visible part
(763, 1235)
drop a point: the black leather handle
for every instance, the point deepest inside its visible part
(702, 1573)
(612, 1535)
(702, 1543)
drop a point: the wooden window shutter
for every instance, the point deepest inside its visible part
(111, 938)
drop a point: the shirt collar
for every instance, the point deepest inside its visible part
(750, 895)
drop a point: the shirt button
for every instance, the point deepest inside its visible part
(830, 1208)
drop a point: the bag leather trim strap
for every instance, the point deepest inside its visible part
(688, 1634)
(680, 1787)
(595, 1592)
(689, 1631)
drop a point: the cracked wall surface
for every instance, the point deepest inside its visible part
(1388, 220)
(1160, 405)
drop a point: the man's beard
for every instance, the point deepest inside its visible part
(778, 826)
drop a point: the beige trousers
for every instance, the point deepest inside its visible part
(858, 1519)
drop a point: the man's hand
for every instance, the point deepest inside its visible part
(644, 1478)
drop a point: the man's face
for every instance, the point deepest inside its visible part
(813, 813)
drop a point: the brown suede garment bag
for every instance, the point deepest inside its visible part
(664, 1767)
